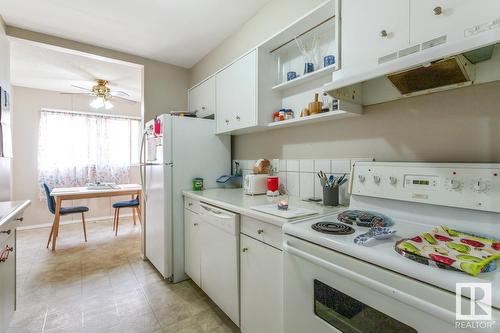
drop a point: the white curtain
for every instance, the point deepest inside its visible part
(75, 149)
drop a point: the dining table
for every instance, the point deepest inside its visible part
(61, 194)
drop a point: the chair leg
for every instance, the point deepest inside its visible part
(133, 214)
(84, 228)
(114, 219)
(50, 236)
(139, 214)
(117, 221)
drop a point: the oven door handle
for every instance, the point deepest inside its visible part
(399, 295)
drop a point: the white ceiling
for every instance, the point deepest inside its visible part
(45, 68)
(178, 32)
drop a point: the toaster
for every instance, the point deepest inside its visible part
(255, 184)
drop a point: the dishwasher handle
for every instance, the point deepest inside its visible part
(215, 212)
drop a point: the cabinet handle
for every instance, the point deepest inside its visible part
(238, 118)
(5, 253)
(227, 121)
(203, 108)
(384, 33)
(260, 231)
(245, 249)
(20, 219)
(438, 10)
(195, 224)
(5, 232)
(190, 204)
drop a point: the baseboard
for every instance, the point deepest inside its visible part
(93, 219)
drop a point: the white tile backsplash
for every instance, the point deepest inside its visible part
(299, 176)
(292, 165)
(293, 183)
(306, 185)
(341, 166)
(322, 165)
(306, 165)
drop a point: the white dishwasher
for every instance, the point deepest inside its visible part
(220, 258)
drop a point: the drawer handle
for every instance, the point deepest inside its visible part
(195, 224)
(438, 10)
(384, 33)
(238, 118)
(5, 232)
(245, 249)
(227, 121)
(190, 204)
(20, 219)
(5, 253)
(260, 231)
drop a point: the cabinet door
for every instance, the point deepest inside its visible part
(236, 95)
(202, 98)
(7, 284)
(435, 18)
(261, 287)
(192, 245)
(373, 29)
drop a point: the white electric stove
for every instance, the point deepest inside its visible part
(332, 284)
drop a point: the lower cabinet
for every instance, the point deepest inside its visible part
(261, 270)
(192, 250)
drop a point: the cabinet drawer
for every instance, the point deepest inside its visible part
(192, 205)
(7, 229)
(265, 232)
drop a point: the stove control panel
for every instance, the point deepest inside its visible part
(473, 186)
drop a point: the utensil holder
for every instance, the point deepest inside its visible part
(330, 196)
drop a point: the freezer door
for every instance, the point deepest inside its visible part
(158, 226)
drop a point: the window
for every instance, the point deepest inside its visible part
(77, 148)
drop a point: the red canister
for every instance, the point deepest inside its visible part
(272, 183)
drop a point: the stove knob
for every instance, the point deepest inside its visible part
(479, 186)
(452, 184)
(361, 178)
(376, 179)
(393, 180)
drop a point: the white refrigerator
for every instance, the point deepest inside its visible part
(176, 150)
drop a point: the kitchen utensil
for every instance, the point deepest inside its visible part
(315, 107)
(374, 233)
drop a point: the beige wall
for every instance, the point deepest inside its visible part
(27, 105)
(269, 20)
(460, 125)
(165, 85)
(5, 163)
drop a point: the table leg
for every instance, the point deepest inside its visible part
(57, 217)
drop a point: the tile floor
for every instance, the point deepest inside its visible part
(103, 286)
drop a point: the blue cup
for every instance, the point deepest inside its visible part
(291, 75)
(329, 60)
(308, 67)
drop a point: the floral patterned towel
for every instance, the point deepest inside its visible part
(462, 251)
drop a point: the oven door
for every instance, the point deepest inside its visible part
(325, 291)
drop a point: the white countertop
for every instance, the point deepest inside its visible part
(9, 209)
(236, 201)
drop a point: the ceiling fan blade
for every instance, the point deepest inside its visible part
(125, 99)
(119, 92)
(81, 88)
(68, 93)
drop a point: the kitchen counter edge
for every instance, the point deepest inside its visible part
(13, 208)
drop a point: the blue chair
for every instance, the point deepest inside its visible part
(136, 209)
(64, 211)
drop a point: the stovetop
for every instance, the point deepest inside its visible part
(382, 253)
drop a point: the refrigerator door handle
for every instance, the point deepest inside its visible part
(142, 166)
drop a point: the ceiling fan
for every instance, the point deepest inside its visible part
(103, 94)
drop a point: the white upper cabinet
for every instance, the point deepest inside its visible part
(236, 94)
(373, 29)
(432, 18)
(202, 98)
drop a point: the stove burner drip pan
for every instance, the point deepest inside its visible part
(333, 228)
